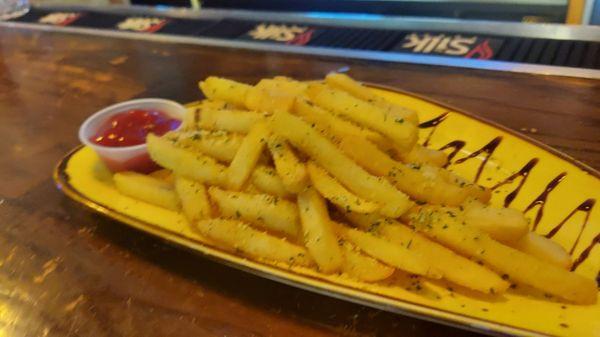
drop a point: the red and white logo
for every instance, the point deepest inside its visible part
(142, 24)
(451, 45)
(482, 51)
(302, 38)
(59, 18)
(296, 35)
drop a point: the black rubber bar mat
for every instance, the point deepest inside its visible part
(575, 54)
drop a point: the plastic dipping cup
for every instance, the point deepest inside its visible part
(127, 158)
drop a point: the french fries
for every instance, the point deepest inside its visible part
(146, 188)
(423, 155)
(192, 115)
(262, 210)
(401, 132)
(333, 191)
(314, 114)
(221, 145)
(454, 267)
(437, 223)
(365, 222)
(266, 179)
(292, 172)
(194, 201)
(503, 224)
(544, 249)
(421, 182)
(256, 171)
(363, 267)
(216, 88)
(356, 89)
(272, 95)
(229, 120)
(252, 242)
(247, 156)
(319, 236)
(300, 134)
(185, 163)
(401, 257)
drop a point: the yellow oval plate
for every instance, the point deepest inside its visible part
(557, 192)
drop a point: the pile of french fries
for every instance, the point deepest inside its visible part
(328, 175)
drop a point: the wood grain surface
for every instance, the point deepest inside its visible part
(65, 271)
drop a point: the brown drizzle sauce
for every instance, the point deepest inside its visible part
(524, 173)
(456, 146)
(541, 199)
(584, 255)
(586, 207)
(488, 149)
(432, 123)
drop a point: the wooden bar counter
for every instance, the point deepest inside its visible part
(65, 271)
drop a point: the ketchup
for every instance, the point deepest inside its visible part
(131, 127)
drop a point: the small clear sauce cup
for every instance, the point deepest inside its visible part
(127, 158)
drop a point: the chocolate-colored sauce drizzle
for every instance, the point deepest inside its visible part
(541, 199)
(584, 255)
(456, 146)
(488, 149)
(524, 173)
(432, 123)
(586, 207)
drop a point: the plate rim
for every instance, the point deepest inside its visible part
(335, 290)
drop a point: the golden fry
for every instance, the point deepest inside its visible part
(333, 191)
(543, 249)
(330, 122)
(221, 89)
(148, 189)
(356, 89)
(319, 236)
(229, 120)
(221, 145)
(292, 172)
(421, 182)
(266, 211)
(272, 95)
(503, 224)
(363, 267)
(252, 242)
(423, 155)
(192, 115)
(366, 222)
(247, 156)
(185, 163)
(194, 200)
(445, 226)
(390, 253)
(402, 133)
(302, 136)
(454, 267)
(266, 180)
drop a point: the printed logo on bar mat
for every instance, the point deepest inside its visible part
(60, 18)
(281, 33)
(450, 45)
(142, 24)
